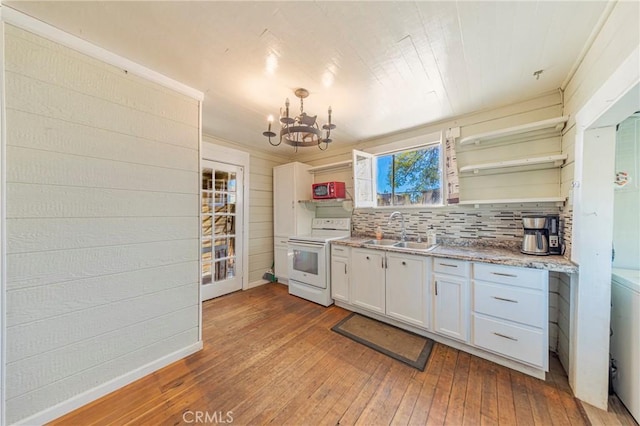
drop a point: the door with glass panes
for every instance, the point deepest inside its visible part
(222, 212)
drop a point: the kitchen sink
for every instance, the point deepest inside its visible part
(409, 245)
(383, 242)
(415, 246)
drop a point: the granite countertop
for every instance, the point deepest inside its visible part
(477, 253)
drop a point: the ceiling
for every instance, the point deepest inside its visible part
(382, 66)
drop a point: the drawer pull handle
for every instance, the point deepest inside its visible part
(505, 336)
(448, 264)
(505, 275)
(367, 257)
(404, 263)
(345, 269)
(505, 300)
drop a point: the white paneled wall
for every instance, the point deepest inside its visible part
(563, 317)
(261, 214)
(626, 208)
(102, 223)
(341, 174)
(538, 181)
(554, 283)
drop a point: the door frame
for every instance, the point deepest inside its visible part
(616, 99)
(223, 154)
(220, 286)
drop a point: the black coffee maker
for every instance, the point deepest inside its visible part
(541, 235)
(553, 231)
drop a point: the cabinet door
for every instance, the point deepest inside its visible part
(451, 313)
(367, 283)
(340, 278)
(284, 201)
(407, 289)
(291, 183)
(281, 261)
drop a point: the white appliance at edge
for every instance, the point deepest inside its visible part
(291, 183)
(309, 259)
(625, 337)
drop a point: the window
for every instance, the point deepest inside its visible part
(410, 177)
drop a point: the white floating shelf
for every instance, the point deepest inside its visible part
(336, 202)
(557, 200)
(555, 159)
(333, 166)
(552, 123)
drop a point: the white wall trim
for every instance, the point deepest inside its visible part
(200, 220)
(256, 284)
(615, 88)
(594, 236)
(595, 32)
(3, 235)
(213, 152)
(86, 397)
(43, 29)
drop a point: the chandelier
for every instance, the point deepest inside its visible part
(302, 130)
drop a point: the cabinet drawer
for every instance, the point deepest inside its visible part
(339, 251)
(518, 342)
(521, 277)
(511, 303)
(451, 266)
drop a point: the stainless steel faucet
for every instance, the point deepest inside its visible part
(403, 236)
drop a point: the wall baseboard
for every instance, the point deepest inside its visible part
(256, 284)
(90, 395)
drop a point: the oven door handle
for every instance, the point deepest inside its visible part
(301, 244)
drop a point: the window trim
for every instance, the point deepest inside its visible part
(406, 144)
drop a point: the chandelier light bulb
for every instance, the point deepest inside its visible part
(286, 104)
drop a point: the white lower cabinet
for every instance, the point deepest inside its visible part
(393, 284)
(340, 269)
(498, 309)
(451, 298)
(510, 339)
(510, 312)
(407, 291)
(368, 280)
(281, 259)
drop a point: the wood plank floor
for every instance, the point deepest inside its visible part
(271, 358)
(618, 415)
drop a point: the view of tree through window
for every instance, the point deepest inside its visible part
(409, 177)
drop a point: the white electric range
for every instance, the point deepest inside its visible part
(309, 259)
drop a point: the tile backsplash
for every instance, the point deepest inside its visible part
(566, 226)
(463, 225)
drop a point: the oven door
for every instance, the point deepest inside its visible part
(307, 263)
